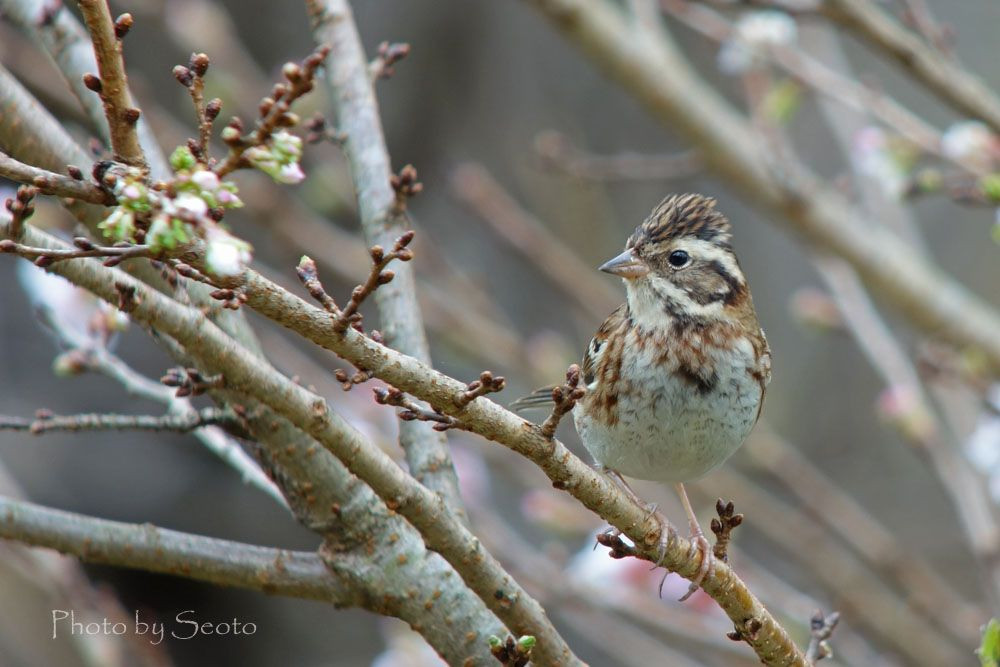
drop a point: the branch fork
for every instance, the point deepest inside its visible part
(378, 276)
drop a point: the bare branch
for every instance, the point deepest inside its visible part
(58, 33)
(946, 78)
(84, 248)
(179, 423)
(440, 527)
(565, 470)
(556, 151)
(148, 547)
(112, 86)
(382, 220)
(51, 183)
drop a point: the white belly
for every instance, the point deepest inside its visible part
(670, 431)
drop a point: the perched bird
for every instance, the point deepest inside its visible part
(675, 377)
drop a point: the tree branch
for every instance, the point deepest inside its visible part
(441, 529)
(947, 79)
(178, 423)
(64, 39)
(382, 220)
(112, 85)
(147, 547)
(51, 183)
(566, 471)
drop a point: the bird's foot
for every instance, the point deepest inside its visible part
(707, 561)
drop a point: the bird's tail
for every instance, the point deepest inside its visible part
(540, 398)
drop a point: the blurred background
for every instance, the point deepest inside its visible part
(535, 170)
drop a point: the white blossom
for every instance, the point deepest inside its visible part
(226, 255)
(972, 143)
(753, 33)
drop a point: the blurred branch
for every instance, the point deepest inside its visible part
(557, 151)
(147, 547)
(566, 471)
(441, 529)
(472, 184)
(945, 77)
(112, 86)
(382, 220)
(823, 500)
(823, 79)
(61, 36)
(650, 66)
(916, 419)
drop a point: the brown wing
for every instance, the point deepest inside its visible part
(599, 345)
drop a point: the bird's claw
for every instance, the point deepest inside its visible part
(707, 564)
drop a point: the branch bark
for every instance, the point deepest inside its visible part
(357, 118)
(119, 110)
(147, 547)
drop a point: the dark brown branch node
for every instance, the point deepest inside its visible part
(512, 653)
(411, 410)
(723, 527)
(486, 384)
(190, 381)
(564, 397)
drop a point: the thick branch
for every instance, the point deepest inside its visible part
(112, 86)
(441, 529)
(324, 495)
(566, 471)
(382, 220)
(651, 67)
(147, 547)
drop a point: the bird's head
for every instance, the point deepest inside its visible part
(679, 263)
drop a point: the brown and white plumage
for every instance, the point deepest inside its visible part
(675, 377)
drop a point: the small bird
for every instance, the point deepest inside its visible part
(675, 377)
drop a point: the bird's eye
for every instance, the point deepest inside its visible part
(678, 259)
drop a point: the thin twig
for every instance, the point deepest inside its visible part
(820, 630)
(112, 85)
(275, 110)
(555, 150)
(84, 248)
(180, 423)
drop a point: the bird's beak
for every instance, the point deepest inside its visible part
(626, 265)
